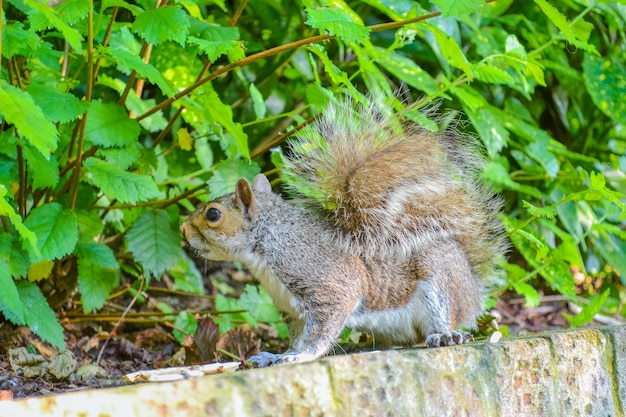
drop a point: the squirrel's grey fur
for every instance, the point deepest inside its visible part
(403, 240)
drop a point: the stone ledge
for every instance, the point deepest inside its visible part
(576, 373)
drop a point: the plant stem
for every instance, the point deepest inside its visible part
(83, 121)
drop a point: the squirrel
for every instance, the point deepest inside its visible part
(398, 235)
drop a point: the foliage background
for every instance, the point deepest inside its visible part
(118, 117)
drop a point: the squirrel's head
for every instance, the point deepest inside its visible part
(220, 230)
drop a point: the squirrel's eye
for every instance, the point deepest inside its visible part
(213, 214)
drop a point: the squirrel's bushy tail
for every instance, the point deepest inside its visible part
(392, 187)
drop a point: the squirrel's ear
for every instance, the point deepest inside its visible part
(244, 195)
(261, 184)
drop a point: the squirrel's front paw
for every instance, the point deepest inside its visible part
(264, 359)
(448, 339)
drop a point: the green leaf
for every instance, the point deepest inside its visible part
(109, 125)
(259, 304)
(186, 322)
(39, 316)
(490, 74)
(58, 106)
(489, 127)
(452, 51)
(44, 172)
(98, 274)
(69, 11)
(547, 212)
(19, 109)
(127, 187)
(557, 18)
(186, 276)
(46, 17)
(229, 321)
(18, 41)
(162, 24)
(11, 305)
(226, 175)
(407, 70)
(90, 225)
(153, 242)
(540, 153)
(126, 58)
(496, 173)
(16, 220)
(258, 102)
(606, 83)
(223, 115)
(216, 41)
(13, 253)
(337, 22)
(589, 311)
(56, 229)
(458, 7)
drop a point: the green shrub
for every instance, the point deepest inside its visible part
(117, 114)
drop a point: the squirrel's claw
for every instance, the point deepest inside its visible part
(448, 339)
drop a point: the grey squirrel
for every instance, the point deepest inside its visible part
(399, 237)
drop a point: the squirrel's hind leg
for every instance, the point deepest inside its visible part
(449, 294)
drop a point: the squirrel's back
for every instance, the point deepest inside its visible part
(392, 187)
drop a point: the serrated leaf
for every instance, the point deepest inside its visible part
(6, 210)
(109, 125)
(69, 11)
(45, 172)
(57, 105)
(408, 71)
(48, 17)
(216, 41)
(40, 270)
(19, 41)
(540, 153)
(98, 274)
(536, 70)
(19, 109)
(452, 51)
(548, 212)
(458, 7)
(15, 256)
(490, 74)
(606, 84)
(490, 129)
(122, 158)
(223, 114)
(56, 230)
(337, 22)
(153, 242)
(513, 46)
(259, 304)
(258, 102)
(496, 173)
(557, 18)
(186, 322)
(39, 316)
(11, 305)
(226, 175)
(89, 223)
(162, 24)
(185, 141)
(127, 187)
(130, 60)
(229, 321)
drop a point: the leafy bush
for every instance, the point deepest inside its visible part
(117, 114)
